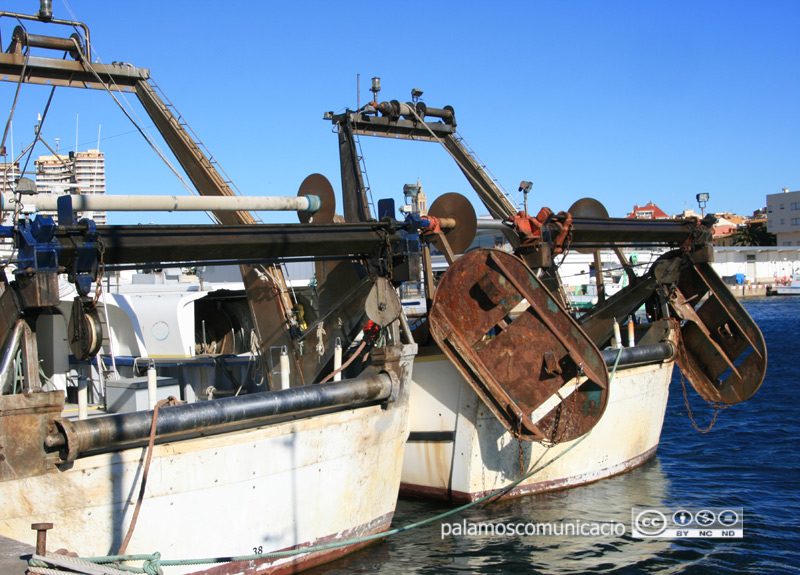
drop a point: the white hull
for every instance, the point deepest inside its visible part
(792, 288)
(464, 452)
(325, 478)
(787, 290)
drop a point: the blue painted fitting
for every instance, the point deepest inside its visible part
(314, 203)
(414, 222)
(43, 228)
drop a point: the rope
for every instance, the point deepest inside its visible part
(58, 564)
(152, 563)
(169, 401)
(350, 360)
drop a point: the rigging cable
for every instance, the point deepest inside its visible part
(148, 139)
(16, 94)
(460, 165)
(141, 130)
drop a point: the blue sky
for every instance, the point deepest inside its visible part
(623, 101)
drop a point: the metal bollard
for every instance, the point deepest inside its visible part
(41, 536)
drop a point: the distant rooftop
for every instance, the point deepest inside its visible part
(649, 211)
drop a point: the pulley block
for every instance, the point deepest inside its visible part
(85, 329)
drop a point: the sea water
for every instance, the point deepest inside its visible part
(749, 460)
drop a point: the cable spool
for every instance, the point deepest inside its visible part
(457, 207)
(318, 185)
(588, 208)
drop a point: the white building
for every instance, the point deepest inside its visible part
(758, 265)
(783, 217)
(9, 173)
(75, 173)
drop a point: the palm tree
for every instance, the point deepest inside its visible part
(754, 234)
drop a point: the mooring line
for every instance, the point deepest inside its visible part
(153, 563)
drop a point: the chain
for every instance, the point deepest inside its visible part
(483, 477)
(556, 437)
(571, 406)
(519, 444)
(552, 439)
(717, 407)
(567, 245)
(101, 270)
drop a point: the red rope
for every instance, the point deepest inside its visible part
(171, 400)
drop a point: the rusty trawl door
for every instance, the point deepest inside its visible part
(527, 359)
(722, 351)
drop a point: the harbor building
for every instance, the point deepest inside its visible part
(783, 217)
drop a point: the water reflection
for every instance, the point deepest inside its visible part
(749, 459)
(424, 550)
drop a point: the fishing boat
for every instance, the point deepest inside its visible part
(790, 288)
(304, 459)
(516, 391)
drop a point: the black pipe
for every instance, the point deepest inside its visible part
(215, 416)
(151, 243)
(228, 262)
(639, 354)
(605, 230)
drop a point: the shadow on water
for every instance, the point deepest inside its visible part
(749, 459)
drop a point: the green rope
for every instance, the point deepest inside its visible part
(333, 545)
(152, 563)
